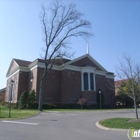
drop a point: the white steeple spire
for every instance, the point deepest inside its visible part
(87, 48)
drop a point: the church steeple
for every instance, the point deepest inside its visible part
(87, 48)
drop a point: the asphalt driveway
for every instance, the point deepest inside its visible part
(63, 126)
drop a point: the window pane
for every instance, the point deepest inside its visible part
(85, 81)
(91, 81)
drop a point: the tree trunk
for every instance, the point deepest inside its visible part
(135, 105)
(40, 94)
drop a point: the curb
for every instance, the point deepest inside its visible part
(106, 128)
(20, 118)
(30, 116)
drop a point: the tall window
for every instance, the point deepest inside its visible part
(91, 81)
(88, 81)
(85, 81)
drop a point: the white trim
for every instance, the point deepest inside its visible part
(88, 69)
(82, 83)
(100, 72)
(62, 67)
(18, 69)
(110, 76)
(69, 67)
(95, 62)
(94, 78)
(72, 61)
(92, 59)
(8, 72)
(89, 88)
(42, 65)
(24, 69)
(10, 75)
(33, 67)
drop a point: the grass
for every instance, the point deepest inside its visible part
(121, 123)
(15, 113)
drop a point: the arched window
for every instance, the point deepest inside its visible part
(85, 81)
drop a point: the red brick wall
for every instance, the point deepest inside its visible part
(23, 83)
(2, 96)
(90, 96)
(14, 65)
(106, 85)
(70, 86)
(32, 80)
(51, 90)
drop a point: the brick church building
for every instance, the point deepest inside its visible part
(68, 80)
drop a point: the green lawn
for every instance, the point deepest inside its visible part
(15, 113)
(121, 123)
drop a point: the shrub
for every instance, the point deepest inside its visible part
(31, 99)
(49, 106)
(23, 101)
(81, 102)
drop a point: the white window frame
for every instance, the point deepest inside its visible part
(88, 70)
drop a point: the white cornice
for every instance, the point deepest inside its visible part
(24, 69)
(16, 70)
(60, 68)
(70, 67)
(100, 72)
(110, 76)
(92, 59)
(13, 73)
(8, 72)
(88, 69)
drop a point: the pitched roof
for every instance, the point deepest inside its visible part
(19, 62)
(58, 61)
(1, 90)
(22, 62)
(89, 57)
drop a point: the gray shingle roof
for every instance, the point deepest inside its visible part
(22, 62)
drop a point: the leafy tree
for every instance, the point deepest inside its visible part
(81, 102)
(121, 94)
(23, 101)
(59, 23)
(127, 69)
(31, 98)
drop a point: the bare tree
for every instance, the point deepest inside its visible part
(127, 69)
(60, 22)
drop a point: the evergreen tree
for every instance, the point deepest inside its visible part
(23, 101)
(31, 98)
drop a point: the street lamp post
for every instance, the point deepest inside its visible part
(100, 100)
(10, 97)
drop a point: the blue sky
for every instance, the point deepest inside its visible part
(115, 25)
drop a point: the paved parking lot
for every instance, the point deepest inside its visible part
(63, 126)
